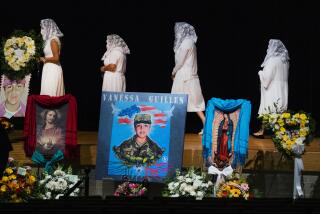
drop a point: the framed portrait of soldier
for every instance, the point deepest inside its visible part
(140, 135)
(13, 96)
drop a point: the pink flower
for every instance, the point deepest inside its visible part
(245, 186)
(133, 185)
(141, 192)
(10, 159)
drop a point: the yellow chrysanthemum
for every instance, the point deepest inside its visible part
(31, 179)
(9, 171)
(289, 142)
(303, 116)
(286, 115)
(280, 122)
(12, 177)
(303, 133)
(5, 179)
(282, 129)
(3, 188)
(285, 137)
(296, 115)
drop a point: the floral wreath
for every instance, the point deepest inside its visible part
(19, 53)
(290, 131)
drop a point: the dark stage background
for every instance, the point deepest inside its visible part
(232, 41)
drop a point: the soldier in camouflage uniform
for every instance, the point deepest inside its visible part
(139, 149)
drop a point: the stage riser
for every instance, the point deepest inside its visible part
(262, 154)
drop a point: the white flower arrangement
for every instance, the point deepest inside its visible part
(55, 185)
(18, 51)
(191, 184)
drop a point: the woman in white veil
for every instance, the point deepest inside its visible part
(114, 60)
(274, 80)
(185, 73)
(52, 77)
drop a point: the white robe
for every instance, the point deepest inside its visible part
(274, 85)
(52, 83)
(186, 79)
(115, 81)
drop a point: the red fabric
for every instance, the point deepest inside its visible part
(50, 102)
(224, 142)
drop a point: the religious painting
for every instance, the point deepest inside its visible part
(226, 132)
(50, 126)
(13, 96)
(140, 135)
(51, 129)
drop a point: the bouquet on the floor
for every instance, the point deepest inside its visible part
(57, 184)
(130, 189)
(18, 183)
(290, 131)
(20, 53)
(192, 183)
(233, 187)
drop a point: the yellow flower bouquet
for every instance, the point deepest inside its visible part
(17, 183)
(233, 188)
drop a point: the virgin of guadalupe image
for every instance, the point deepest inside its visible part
(139, 149)
(50, 137)
(224, 142)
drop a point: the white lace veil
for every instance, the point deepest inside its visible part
(276, 48)
(182, 31)
(49, 29)
(115, 41)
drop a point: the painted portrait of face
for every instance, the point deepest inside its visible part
(142, 129)
(13, 96)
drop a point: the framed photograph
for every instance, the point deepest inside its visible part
(51, 125)
(140, 135)
(13, 96)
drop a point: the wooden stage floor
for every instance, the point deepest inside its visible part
(262, 154)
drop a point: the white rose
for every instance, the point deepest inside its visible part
(189, 188)
(188, 180)
(182, 186)
(48, 195)
(58, 196)
(200, 194)
(197, 183)
(171, 186)
(299, 141)
(180, 178)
